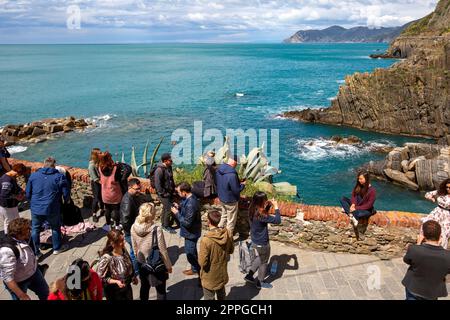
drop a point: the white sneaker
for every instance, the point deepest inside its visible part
(107, 227)
(63, 248)
(353, 220)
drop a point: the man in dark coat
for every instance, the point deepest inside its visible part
(165, 188)
(429, 264)
(190, 220)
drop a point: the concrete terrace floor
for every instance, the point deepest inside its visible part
(316, 275)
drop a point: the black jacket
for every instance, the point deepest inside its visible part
(129, 210)
(164, 183)
(428, 267)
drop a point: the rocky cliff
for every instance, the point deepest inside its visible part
(409, 98)
(336, 34)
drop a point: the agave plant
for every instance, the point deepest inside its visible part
(255, 166)
(145, 163)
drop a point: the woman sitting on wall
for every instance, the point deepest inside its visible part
(361, 205)
(441, 213)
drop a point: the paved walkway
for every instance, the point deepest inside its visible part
(302, 274)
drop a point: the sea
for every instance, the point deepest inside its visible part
(141, 92)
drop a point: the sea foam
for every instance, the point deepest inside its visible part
(314, 149)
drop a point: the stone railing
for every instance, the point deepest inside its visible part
(327, 228)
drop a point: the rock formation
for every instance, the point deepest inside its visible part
(337, 34)
(409, 98)
(417, 166)
(40, 131)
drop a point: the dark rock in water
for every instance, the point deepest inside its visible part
(38, 132)
(346, 140)
(50, 128)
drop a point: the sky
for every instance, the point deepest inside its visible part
(148, 21)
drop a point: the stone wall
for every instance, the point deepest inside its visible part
(385, 235)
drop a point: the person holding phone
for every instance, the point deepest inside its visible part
(260, 216)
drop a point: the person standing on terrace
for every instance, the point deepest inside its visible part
(361, 205)
(229, 189)
(110, 177)
(45, 190)
(94, 176)
(441, 213)
(11, 194)
(259, 214)
(429, 264)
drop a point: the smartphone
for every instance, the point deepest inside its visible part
(268, 206)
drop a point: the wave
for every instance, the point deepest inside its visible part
(331, 98)
(17, 149)
(101, 121)
(314, 149)
(340, 81)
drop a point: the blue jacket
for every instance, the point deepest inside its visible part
(45, 188)
(228, 185)
(259, 230)
(190, 218)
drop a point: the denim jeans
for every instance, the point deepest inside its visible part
(358, 214)
(35, 283)
(190, 247)
(37, 222)
(412, 296)
(132, 256)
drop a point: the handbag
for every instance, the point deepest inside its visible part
(154, 263)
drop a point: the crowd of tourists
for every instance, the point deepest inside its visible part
(136, 250)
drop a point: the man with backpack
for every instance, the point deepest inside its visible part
(19, 269)
(215, 249)
(45, 190)
(190, 219)
(161, 179)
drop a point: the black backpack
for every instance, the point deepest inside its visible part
(10, 243)
(151, 176)
(154, 264)
(71, 214)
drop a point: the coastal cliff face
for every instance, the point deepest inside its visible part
(409, 98)
(339, 34)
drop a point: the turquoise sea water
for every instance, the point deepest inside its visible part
(140, 92)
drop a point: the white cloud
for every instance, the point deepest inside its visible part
(262, 17)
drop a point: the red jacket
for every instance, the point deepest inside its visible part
(95, 289)
(367, 202)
